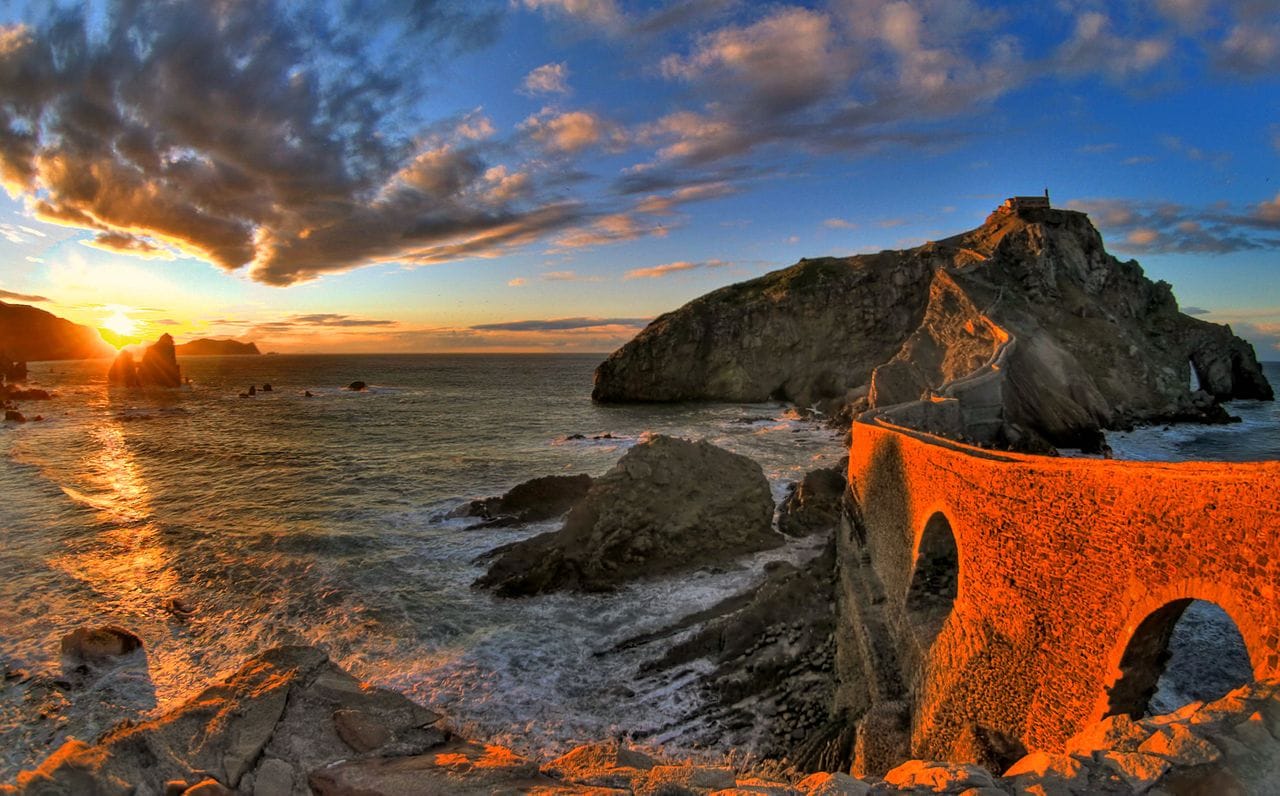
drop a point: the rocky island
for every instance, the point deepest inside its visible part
(205, 347)
(1084, 341)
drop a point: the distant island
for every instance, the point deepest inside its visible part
(205, 347)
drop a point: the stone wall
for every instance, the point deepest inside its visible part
(1059, 563)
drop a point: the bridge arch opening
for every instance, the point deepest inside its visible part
(1184, 651)
(935, 581)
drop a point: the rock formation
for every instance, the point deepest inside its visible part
(28, 334)
(159, 366)
(205, 347)
(667, 505)
(534, 500)
(1082, 341)
(290, 722)
(813, 504)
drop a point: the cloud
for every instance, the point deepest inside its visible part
(599, 13)
(258, 135)
(5, 294)
(123, 243)
(839, 223)
(571, 131)
(547, 79)
(1094, 48)
(1195, 310)
(1170, 228)
(560, 324)
(666, 269)
(613, 228)
(519, 281)
(665, 204)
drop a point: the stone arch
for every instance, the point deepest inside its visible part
(1215, 658)
(935, 579)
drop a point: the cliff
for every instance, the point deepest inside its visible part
(28, 334)
(1081, 340)
(205, 347)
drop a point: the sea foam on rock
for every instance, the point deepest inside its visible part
(668, 505)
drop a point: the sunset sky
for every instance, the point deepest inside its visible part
(392, 175)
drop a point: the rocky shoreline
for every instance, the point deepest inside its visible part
(291, 722)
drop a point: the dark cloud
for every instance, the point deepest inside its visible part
(558, 325)
(332, 319)
(261, 134)
(1168, 228)
(1195, 310)
(5, 294)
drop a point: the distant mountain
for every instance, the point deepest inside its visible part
(218, 348)
(28, 334)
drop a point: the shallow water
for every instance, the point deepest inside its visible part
(281, 518)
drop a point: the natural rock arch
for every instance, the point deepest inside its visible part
(1183, 651)
(935, 580)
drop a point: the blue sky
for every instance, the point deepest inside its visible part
(371, 175)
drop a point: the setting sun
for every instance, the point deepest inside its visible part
(120, 323)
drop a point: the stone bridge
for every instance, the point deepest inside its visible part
(1013, 598)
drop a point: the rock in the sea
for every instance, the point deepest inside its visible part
(98, 644)
(668, 505)
(14, 416)
(1076, 340)
(538, 499)
(159, 367)
(813, 504)
(357, 386)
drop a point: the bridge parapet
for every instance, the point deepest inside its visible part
(1020, 629)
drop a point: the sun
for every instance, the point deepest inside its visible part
(120, 324)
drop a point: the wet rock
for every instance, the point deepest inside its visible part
(813, 504)
(307, 394)
(459, 767)
(604, 765)
(668, 505)
(124, 370)
(159, 366)
(538, 499)
(253, 390)
(14, 416)
(357, 386)
(98, 644)
(826, 784)
(266, 388)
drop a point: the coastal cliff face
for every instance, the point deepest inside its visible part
(1084, 340)
(28, 334)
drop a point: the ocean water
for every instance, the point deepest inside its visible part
(286, 519)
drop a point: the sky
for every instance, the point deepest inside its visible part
(550, 175)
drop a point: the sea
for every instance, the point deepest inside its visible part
(215, 526)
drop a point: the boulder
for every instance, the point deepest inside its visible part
(14, 416)
(357, 386)
(668, 505)
(98, 644)
(123, 370)
(602, 765)
(538, 499)
(813, 504)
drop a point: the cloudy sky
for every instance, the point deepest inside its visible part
(462, 175)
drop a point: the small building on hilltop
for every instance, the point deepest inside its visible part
(1016, 203)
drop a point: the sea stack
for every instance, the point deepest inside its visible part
(159, 367)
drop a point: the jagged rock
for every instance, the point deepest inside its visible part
(206, 347)
(357, 386)
(1118, 732)
(939, 777)
(663, 780)
(159, 366)
(825, 784)
(97, 644)
(538, 499)
(14, 416)
(668, 505)
(1085, 341)
(459, 767)
(813, 504)
(1054, 773)
(603, 765)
